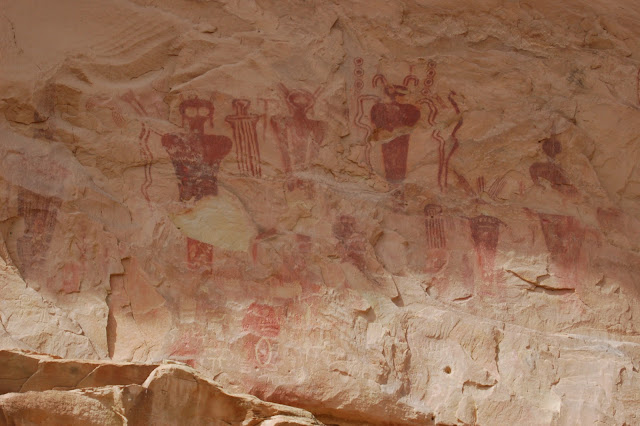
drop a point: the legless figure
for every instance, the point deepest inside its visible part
(299, 137)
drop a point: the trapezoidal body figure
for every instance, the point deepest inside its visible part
(196, 158)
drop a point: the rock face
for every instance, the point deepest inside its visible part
(406, 212)
(36, 389)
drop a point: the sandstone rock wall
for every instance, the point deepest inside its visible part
(403, 212)
(37, 389)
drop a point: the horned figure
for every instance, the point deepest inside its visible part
(245, 137)
(299, 137)
(196, 158)
(393, 122)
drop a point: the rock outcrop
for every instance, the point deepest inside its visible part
(405, 212)
(37, 389)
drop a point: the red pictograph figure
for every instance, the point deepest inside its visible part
(393, 122)
(434, 224)
(245, 136)
(563, 236)
(299, 137)
(485, 233)
(263, 324)
(196, 158)
(550, 170)
(39, 213)
(195, 155)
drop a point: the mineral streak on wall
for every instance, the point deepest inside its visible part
(410, 212)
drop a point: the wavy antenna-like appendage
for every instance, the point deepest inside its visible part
(377, 78)
(411, 78)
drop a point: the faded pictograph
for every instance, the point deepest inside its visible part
(358, 257)
(299, 137)
(494, 188)
(143, 140)
(196, 158)
(262, 323)
(550, 170)
(127, 108)
(39, 213)
(436, 237)
(390, 116)
(352, 243)
(564, 236)
(485, 233)
(188, 347)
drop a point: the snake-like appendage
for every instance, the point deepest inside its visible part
(363, 125)
(433, 110)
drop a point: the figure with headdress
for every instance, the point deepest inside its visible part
(299, 137)
(196, 158)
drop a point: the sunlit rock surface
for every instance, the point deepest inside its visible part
(406, 212)
(39, 389)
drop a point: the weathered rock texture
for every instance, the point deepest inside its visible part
(37, 389)
(408, 212)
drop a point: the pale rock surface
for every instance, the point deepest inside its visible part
(406, 212)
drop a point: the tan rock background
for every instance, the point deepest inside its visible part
(407, 212)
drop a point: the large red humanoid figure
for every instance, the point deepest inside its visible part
(398, 119)
(196, 159)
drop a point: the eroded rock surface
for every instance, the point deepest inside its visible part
(39, 389)
(405, 212)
